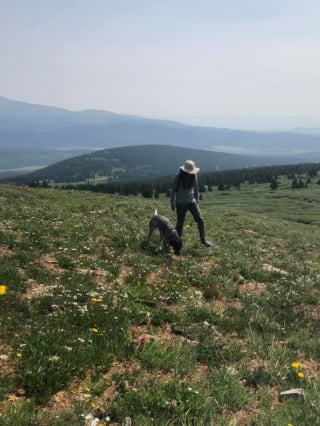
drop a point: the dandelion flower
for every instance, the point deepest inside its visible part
(96, 300)
(3, 290)
(296, 365)
(94, 330)
(19, 354)
(300, 375)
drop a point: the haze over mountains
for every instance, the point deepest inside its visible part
(36, 135)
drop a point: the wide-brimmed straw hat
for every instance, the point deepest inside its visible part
(190, 167)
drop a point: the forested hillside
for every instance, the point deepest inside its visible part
(143, 161)
(298, 176)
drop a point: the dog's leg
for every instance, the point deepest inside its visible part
(151, 229)
(161, 240)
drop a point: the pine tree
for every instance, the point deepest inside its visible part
(274, 183)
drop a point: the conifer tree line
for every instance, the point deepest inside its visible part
(300, 174)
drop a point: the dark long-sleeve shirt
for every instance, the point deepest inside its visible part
(180, 195)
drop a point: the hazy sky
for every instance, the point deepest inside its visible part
(199, 61)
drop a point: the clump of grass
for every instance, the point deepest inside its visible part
(174, 401)
(179, 358)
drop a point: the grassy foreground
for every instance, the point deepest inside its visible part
(97, 328)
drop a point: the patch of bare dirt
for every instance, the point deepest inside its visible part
(155, 276)
(6, 360)
(125, 271)
(67, 399)
(270, 268)
(250, 232)
(12, 398)
(253, 287)
(63, 400)
(279, 243)
(311, 311)
(5, 250)
(8, 369)
(35, 290)
(49, 262)
(310, 368)
(207, 266)
(117, 368)
(94, 272)
(220, 306)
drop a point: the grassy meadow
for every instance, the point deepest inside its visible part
(99, 328)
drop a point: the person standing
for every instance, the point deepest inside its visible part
(184, 197)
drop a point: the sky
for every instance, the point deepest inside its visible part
(251, 64)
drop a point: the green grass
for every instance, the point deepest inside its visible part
(96, 324)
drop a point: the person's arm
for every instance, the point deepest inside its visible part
(196, 190)
(173, 193)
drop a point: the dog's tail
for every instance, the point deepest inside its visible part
(155, 212)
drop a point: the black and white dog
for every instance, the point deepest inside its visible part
(168, 233)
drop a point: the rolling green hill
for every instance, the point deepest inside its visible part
(97, 327)
(136, 162)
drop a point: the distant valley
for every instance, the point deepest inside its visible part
(33, 136)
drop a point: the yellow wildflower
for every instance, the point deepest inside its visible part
(3, 290)
(94, 330)
(296, 365)
(96, 299)
(300, 375)
(19, 354)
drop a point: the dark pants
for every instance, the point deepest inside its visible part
(193, 208)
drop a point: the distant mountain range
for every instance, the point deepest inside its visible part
(35, 136)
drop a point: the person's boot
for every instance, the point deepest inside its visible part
(206, 243)
(203, 239)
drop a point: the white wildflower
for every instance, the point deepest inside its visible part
(54, 358)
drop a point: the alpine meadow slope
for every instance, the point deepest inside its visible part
(99, 328)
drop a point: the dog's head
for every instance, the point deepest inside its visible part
(176, 243)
